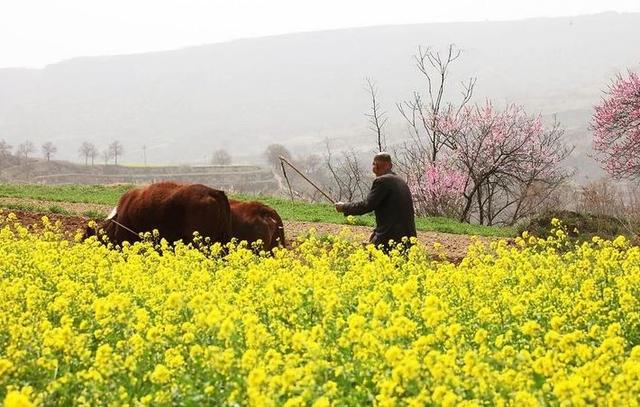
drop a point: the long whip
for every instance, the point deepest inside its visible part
(282, 159)
(284, 173)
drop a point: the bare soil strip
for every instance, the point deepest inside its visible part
(453, 246)
(74, 207)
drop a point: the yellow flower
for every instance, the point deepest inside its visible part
(524, 398)
(295, 402)
(321, 402)
(222, 326)
(16, 399)
(530, 328)
(160, 374)
(226, 329)
(257, 376)
(480, 336)
(557, 322)
(5, 366)
(620, 242)
(173, 358)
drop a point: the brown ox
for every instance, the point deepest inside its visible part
(251, 221)
(175, 210)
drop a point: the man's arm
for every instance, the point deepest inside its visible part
(376, 195)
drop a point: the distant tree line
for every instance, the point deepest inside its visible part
(24, 150)
(87, 151)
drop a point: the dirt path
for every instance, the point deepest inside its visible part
(42, 206)
(454, 246)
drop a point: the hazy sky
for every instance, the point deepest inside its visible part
(34, 33)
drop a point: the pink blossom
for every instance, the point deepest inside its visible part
(616, 127)
(488, 147)
(439, 189)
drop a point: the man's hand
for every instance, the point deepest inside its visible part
(340, 207)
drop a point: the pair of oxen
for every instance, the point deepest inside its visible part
(176, 211)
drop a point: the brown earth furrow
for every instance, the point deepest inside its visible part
(453, 246)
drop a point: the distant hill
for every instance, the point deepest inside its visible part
(300, 89)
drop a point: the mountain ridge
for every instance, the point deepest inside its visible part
(302, 88)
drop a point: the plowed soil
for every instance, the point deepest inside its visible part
(453, 247)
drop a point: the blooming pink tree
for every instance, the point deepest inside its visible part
(616, 127)
(425, 160)
(475, 162)
(503, 154)
(439, 191)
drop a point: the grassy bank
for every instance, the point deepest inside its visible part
(288, 210)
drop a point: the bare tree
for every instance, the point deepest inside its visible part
(347, 177)
(93, 153)
(116, 150)
(377, 116)
(221, 157)
(348, 174)
(5, 148)
(427, 139)
(49, 149)
(312, 165)
(106, 156)
(273, 154)
(24, 149)
(88, 150)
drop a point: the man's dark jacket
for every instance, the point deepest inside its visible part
(391, 200)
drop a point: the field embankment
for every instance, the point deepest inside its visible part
(241, 178)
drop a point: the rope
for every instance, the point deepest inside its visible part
(124, 227)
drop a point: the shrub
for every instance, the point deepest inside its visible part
(580, 226)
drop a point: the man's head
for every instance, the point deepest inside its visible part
(381, 164)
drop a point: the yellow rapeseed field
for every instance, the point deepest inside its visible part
(327, 323)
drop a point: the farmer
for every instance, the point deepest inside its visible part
(390, 199)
